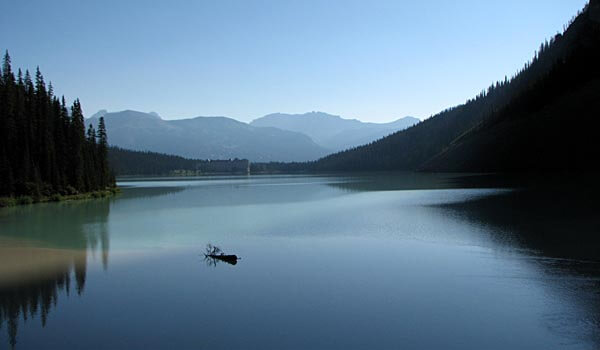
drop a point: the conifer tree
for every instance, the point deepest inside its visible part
(103, 153)
(43, 149)
(77, 147)
(91, 171)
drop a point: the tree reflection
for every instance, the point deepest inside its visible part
(44, 254)
(28, 300)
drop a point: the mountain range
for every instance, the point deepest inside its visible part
(331, 131)
(541, 119)
(276, 137)
(206, 138)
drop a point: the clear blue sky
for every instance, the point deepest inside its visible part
(375, 60)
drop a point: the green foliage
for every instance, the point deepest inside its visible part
(7, 202)
(23, 200)
(70, 190)
(44, 151)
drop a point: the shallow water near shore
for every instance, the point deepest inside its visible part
(380, 261)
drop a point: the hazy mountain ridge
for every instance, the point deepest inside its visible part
(206, 138)
(331, 131)
(262, 140)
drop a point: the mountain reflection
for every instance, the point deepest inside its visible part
(559, 226)
(395, 181)
(551, 221)
(43, 255)
(556, 220)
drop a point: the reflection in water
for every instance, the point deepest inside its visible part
(478, 268)
(32, 298)
(42, 251)
(559, 225)
(557, 222)
(214, 255)
(132, 192)
(552, 219)
(396, 181)
(213, 260)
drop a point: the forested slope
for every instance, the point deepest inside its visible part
(529, 115)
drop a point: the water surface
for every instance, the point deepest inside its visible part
(384, 261)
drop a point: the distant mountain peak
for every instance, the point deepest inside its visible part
(303, 115)
(133, 113)
(99, 114)
(332, 131)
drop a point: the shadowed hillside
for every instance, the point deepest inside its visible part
(538, 120)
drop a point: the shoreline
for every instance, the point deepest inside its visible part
(6, 202)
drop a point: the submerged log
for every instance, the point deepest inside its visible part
(230, 259)
(214, 254)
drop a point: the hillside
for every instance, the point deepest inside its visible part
(127, 162)
(206, 138)
(548, 127)
(331, 131)
(538, 120)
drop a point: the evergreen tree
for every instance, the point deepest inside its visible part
(43, 149)
(91, 169)
(77, 137)
(7, 127)
(103, 154)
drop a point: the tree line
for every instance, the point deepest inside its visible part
(126, 162)
(45, 149)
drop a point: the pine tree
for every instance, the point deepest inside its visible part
(91, 171)
(77, 137)
(103, 154)
(7, 127)
(23, 130)
(45, 144)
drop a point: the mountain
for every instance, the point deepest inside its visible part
(543, 119)
(206, 138)
(331, 131)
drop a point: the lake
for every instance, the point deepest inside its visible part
(381, 261)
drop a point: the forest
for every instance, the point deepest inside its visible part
(128, 162)
(45, 150)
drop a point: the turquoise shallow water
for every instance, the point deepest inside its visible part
(382, 261)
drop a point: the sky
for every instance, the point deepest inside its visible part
(375, 60)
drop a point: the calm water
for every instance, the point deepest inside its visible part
(398, 261)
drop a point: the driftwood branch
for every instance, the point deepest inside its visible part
(214, 254)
